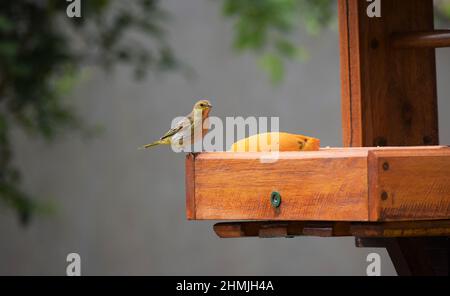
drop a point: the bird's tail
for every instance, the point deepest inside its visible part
(156, 143)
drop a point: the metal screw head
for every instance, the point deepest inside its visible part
(275, 199)
(384, 195)
(386, 166)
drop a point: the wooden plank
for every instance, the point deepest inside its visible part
(351, 83)
(318, 229)
(265, 229)
(335, 184)
(401, 229)
(190, 186)
(388, 94)
(316, 185)
(335, 229)
(413, 256)
(233, 230)
(273, 230)
(409, 184)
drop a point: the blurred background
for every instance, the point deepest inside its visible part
(79, 95)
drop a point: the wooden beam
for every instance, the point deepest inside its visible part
(401, 229)
(322, 185)
(190, 186)
(351, 184)
(409, 184)
(351, 73)
(388, 94)
(266, 229)
(433, 39)
(414, 256)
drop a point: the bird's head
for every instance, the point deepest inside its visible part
(202, 105)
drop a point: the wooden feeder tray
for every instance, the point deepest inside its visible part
(348, 184)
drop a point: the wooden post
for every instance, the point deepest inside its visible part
(389, 99)
(388, 94)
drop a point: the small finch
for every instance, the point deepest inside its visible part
(191, 128)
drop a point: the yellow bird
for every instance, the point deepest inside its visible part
(182, 130)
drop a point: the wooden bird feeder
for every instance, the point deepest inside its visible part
(395, 196)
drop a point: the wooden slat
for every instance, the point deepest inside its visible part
(266, 229)
(402, 229)
(190, 186)
(433, 39)
(388, 95)
(350, 65)
(273, 230)
(322, 185)
(415, 184)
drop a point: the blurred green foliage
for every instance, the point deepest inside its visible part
(41, 51)
(267, 28)
(443, 11)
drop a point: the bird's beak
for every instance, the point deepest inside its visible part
(209, 105)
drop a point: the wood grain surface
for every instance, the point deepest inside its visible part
(322, 185)
(409, 184)
(333, 229)
(388, 94)
(389, 99)
(432, 39)
(190, 186)
(336, 184)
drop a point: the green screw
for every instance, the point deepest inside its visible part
(275, 199)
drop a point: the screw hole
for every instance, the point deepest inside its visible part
(374, 44)
(380, 142)
(427, 140)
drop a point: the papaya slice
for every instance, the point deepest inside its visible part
(276, 141)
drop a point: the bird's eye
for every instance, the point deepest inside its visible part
(202, 105)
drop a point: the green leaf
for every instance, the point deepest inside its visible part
(288, 50)
(266, 27)
(274, 66)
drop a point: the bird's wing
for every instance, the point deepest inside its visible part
(181, 125)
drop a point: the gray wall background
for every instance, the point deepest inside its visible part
(123, 210)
